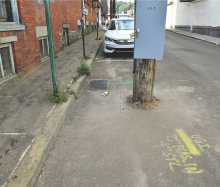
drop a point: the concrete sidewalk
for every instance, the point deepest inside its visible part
(205, 38)
(29, 121)
(105, 143)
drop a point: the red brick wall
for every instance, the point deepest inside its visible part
(57, 22)
(92, 13)
(26, 50)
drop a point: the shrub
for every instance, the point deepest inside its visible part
(88, 29)
(84, 69)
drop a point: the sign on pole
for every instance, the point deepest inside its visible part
(85, 11)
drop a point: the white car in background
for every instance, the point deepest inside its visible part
(121, 16)
(117, 36)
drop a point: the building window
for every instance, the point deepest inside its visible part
(6, 61)
(44, 49)
(9, 19)
(6, 11)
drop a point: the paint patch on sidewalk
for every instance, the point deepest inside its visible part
(188, 142)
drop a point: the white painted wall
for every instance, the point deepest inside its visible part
(171, 14)
(201, 12)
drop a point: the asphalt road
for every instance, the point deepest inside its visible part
(104, 142)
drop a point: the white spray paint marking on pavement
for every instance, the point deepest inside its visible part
(12, 133)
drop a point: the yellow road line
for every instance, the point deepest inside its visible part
(188, 142)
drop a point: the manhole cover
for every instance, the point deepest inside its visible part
(98, 85)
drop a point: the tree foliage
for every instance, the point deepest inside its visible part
(123, 6)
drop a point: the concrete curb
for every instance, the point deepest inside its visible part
(28, 170)
(199, 38)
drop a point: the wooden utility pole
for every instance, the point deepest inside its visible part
(112, 8)
(143, 80)
(149, 33)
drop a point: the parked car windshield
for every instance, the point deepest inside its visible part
(121, 25)
(122, 16)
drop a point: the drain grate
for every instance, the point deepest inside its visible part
(98, 85)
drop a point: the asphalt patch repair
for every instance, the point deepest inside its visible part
(144, 106)
(98, 85)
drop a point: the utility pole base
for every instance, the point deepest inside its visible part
(143, 80)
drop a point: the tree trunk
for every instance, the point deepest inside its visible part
(143, 84)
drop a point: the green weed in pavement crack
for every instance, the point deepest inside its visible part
(60, 95)
(84, 70)
(87, 57)
(75, 78)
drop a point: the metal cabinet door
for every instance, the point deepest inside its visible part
(150, 18)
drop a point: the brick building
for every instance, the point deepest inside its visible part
(104, 8)
(23, 31)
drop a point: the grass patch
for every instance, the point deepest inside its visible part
(69, 91)
(75, 78)
(84, 69)
(61, 93)
(56, 56)
(59, 97)
(87, 57)
(88, 29)
(100, 38)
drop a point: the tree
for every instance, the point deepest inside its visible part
(123, 6)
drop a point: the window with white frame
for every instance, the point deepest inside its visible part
(6, 61)
(9, 19)
(6, 11)
(44, 49)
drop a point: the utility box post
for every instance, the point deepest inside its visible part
(150, 19)
(51, 46)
